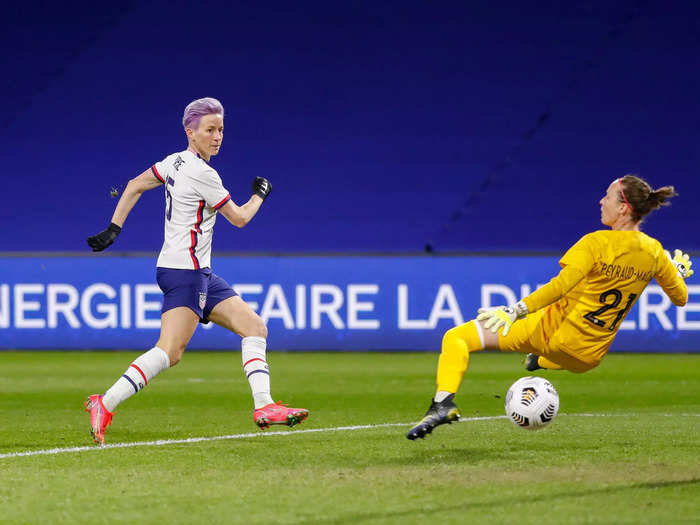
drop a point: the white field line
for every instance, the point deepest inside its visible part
(163, 442)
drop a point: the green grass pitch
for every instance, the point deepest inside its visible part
(624, 448)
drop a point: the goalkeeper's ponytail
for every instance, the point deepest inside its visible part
(642, 198)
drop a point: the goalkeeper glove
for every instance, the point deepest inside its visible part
(105, 238)
(261, 187)
(682, 263)
(502, 316)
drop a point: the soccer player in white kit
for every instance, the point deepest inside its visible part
(192, 293)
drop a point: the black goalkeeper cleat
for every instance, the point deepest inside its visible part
(531, 363)
(438, 414)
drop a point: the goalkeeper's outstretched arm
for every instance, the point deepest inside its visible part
(505, 316)
(672, 274)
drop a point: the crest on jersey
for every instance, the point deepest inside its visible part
(178, 162)
(202, 299)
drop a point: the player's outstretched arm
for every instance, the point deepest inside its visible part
(239, 216)
(673, 271)
(132, 193)
(555, 289)
(502, 316)
(682, 263)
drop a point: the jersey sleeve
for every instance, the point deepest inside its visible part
(576, 263)
(212, 190)
(568, 278)
(673, 284)
(159, 170)
(582, 254)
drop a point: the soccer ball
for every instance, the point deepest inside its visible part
(532, 403)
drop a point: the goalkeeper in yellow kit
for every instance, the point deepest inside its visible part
(570, 322)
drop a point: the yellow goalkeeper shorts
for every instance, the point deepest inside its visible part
(528, 336)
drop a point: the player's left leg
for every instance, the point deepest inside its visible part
(235, 315)
(177, 326)
(537, 362)
(530, 336)
(181, 311)
(554, 359)
(457, 343)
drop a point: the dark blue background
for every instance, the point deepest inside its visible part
(384, 126)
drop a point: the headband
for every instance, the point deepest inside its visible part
(619, 182)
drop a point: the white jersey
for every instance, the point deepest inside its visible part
(193, 194)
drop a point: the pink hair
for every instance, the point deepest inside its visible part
(196, 109)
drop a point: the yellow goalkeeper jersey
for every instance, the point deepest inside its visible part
(616, 267)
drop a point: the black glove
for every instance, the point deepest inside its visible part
(261, 187)
(105, 238)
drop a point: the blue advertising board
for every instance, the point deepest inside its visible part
(352, 303)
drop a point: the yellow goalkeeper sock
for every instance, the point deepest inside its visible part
(549, 365)
(454, 358)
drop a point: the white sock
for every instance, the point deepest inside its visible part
(441, 395)
(256, 369)
(144, 368)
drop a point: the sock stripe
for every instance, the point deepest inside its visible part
(136, 389)
(256, 371)
(145, 381)
(254, 359)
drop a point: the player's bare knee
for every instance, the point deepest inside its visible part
(173, 349)
(259, 328)
(254, 327)
(175, 358)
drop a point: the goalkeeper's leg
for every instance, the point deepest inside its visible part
(457, 343)
(453, 362)
(527, 336)
(536, 362)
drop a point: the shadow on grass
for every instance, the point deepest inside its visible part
(416, 513)
(450, 455)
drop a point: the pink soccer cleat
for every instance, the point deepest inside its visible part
(100, 418)
(279, 414)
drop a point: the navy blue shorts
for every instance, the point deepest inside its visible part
(200, 290)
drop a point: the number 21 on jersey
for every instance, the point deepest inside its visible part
(616, 299)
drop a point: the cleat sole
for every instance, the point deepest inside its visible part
(296, 418)
(263, 423)
(291, 420)
(453, 415)
(424, 428)
(96, 437)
